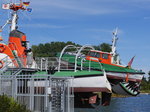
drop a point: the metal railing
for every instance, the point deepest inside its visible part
(66, 63)
(45, 63)
(40, 93)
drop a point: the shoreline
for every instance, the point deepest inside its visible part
(145, 92)
(124, 96)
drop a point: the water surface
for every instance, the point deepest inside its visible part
(129, 104)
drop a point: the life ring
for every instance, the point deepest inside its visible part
(1, 64)
(2, 48)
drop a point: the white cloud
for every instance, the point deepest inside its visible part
(105, 30)
(57, 8)
(43, 26)
(42, 40)
(60, 9)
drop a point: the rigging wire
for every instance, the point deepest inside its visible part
(5, 15)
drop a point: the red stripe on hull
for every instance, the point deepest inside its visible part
(123, 78)
(91, 89)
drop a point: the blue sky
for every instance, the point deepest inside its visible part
(91, 22)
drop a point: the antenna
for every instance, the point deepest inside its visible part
(113, 52)
(14, 7)
(114, 41)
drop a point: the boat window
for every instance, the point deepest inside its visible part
(105, 56)
(97, 55)
(92, 54)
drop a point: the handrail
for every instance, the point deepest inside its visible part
(79, 51)
(46, 64)
(62, 52)
(21, 56)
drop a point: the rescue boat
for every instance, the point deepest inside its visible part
(123, 78)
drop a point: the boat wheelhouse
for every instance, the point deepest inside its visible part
(99, 56)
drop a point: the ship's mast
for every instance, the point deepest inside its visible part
(113, 52)
(14, 17)
(114, 41)
(14, 21)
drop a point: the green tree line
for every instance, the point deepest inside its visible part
(52, 48)
(145, 84)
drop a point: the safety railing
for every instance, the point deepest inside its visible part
(66, 63)
(40, 93)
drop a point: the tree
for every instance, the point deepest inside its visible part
(52, 48)
(105, 47)
(8, 104)
(49, 49)
(149, 76)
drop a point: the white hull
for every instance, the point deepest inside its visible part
(84, 84)
(91, 84)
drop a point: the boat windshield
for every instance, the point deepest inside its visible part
(105, 56)
(94, 54)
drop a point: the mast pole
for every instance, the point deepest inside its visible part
(14, 21)
(14, 17)
(114, 42)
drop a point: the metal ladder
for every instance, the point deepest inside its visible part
(58, 95)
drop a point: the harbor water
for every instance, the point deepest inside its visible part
(128, 104)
